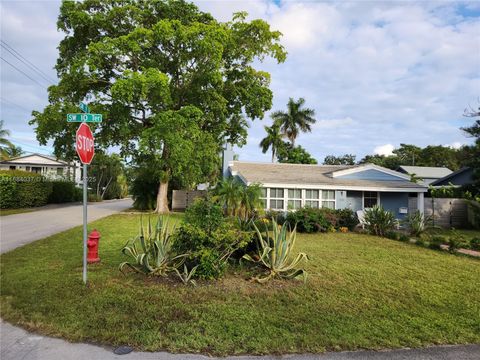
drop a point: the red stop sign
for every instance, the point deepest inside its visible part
(84, 144)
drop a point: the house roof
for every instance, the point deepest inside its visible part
(450, 177)
(317, 175)
(35, 159)
(428, 172)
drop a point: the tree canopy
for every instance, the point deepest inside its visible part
(162, 73)
(296, 119)
(288, 153)
(347, 159)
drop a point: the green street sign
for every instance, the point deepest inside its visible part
(84, 107)
(95, 118)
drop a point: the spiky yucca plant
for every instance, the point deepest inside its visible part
(276, 253)
(379, 221)
(151, 251)
(418, 223)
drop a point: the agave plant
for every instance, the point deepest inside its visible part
(187, 276)
(418, 223)
(151, 251)
(276, 253)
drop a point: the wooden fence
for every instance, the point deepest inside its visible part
(447, 213)
(182, 199)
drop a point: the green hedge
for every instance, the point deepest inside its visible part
(310, 220)
(64, 191)
(21, 189)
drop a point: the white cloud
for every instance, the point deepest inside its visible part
(386, 150)
(455, 145)
(375, 72)
(333, 123)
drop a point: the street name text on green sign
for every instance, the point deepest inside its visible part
(96, 118)
(84, 107)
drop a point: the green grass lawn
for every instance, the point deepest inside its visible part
(466, 233)
(362, 292)
(6, 212)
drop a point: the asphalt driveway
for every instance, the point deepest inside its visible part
(20, 229)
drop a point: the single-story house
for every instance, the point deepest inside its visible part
(427, 174)
(357, 187)
(44, 165)
(462, 177)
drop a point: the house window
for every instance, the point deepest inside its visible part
(294, 198)
(328, 199)
(27, 168)
(12, 167)
(59, 171)
(36, 169)
(312, 198)
(263, 197)
(370, 199)
(276, 198)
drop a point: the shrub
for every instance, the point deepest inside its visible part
(420, 241)
(64, 191)
(436, 242)
(144, 188)
(278, 216)
(379, 221)
(475, 243)
(311, 220)
(208, 239)
(210, 252)
(346, 218)
(308, 220)
(276, 254)
(404, 238)
(20, 189)
(455, 241)
(393, 235)
(206, 214)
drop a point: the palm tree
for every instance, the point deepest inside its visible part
(272, 140)
(229, 192)
(296, 119)
(5, 144)
(250, 200)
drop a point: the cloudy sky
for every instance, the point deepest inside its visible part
(377, 73)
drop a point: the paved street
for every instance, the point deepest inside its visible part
(19, 344)
(20, 229)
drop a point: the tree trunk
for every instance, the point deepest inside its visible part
(162, 199)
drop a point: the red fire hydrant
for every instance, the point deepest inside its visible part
(92, 244)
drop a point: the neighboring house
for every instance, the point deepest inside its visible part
(461, 177)
(43, 164)
(427, 174)
(356, 187)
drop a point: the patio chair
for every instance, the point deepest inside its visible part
(361, 218)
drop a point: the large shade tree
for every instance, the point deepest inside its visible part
(296, 119)
(172, 83)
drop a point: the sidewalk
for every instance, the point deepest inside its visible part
(17, 343)
(20, 229)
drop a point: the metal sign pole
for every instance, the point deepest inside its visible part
(85, 223)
